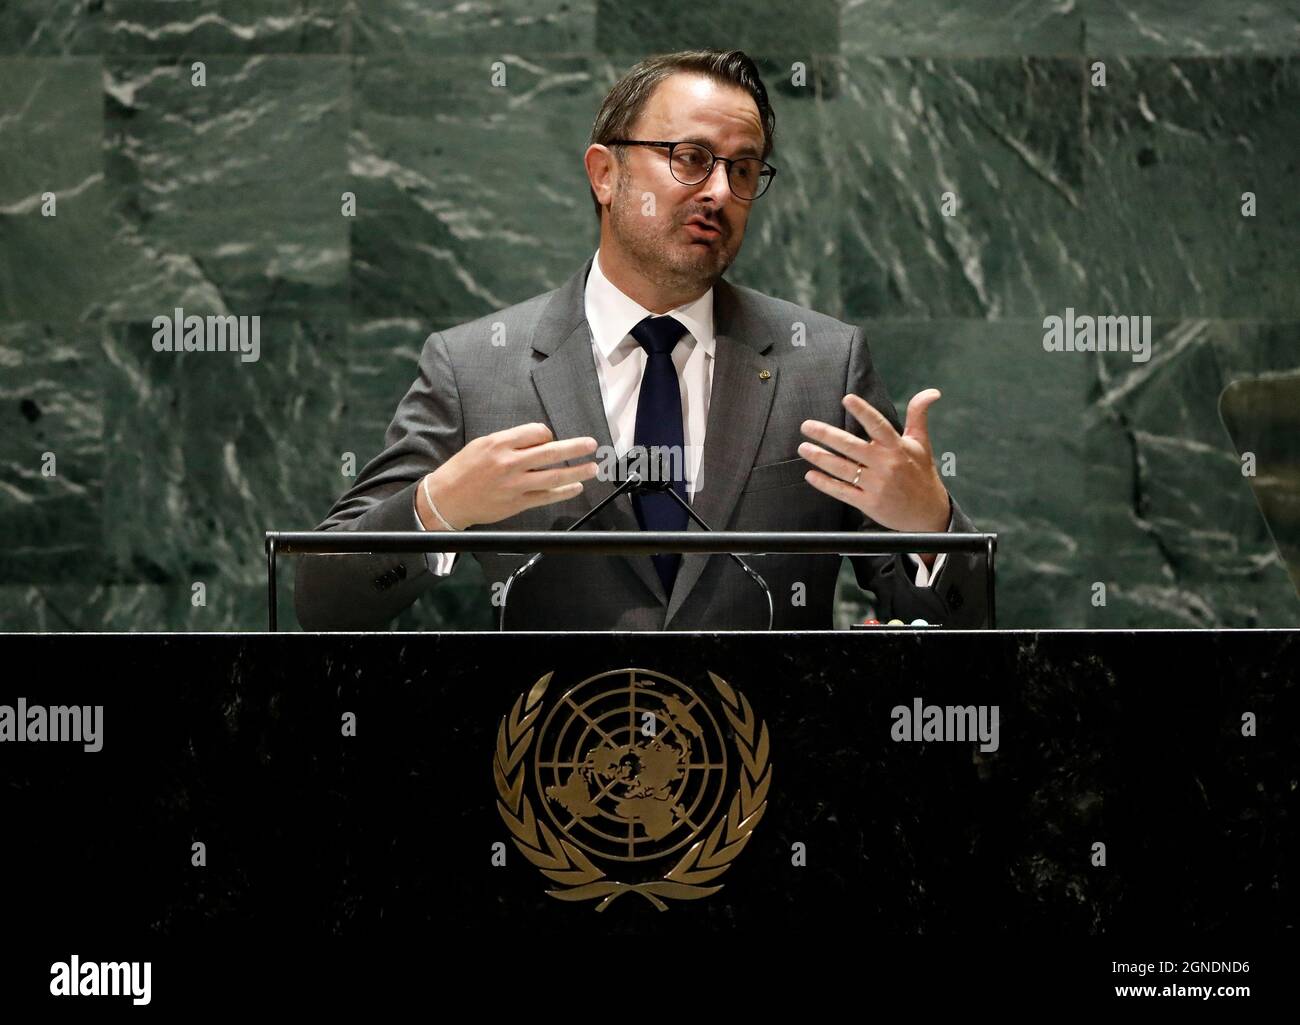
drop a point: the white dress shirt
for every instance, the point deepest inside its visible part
(620, 362)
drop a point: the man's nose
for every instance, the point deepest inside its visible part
(716, 184)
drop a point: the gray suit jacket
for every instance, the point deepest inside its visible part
(752, 478)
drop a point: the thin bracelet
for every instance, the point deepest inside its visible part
(424, 486)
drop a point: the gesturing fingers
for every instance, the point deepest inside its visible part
(829, 462)
(833, 439)
(874, 422)
(537, 456)
(836, 488)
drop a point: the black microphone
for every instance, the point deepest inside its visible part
(635, 483)
(632, 479)
(662, 482)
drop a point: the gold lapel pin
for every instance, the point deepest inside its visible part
(763, 375)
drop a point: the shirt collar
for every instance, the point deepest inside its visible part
(611, 314)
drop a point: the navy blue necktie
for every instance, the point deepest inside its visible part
(659, 423)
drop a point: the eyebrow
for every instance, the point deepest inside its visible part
(748, 150)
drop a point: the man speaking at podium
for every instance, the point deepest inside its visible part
(781, 421)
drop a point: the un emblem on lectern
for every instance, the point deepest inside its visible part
(627, 783)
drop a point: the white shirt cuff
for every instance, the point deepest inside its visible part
(927, 577)
(439, 563)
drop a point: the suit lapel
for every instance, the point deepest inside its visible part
(739, 403)
(569, 389)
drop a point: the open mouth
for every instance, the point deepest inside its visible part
(701, 230)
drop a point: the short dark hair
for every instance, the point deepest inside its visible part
(630, 94)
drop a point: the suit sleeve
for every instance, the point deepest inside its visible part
(954, 595)
(367, 591)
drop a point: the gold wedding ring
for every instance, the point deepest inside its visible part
(857, 475)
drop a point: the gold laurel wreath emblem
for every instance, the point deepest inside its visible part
(562, 862)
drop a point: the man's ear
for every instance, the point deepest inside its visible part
(600, 164)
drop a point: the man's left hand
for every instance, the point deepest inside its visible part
(899, 487)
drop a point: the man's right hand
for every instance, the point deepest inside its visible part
(501, 474)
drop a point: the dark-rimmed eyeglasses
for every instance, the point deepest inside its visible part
(691, 163)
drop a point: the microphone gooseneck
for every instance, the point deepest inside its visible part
(634, 483)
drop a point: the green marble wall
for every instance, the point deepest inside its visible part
(1117, 199)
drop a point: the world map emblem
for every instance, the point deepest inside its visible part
(630, 781)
